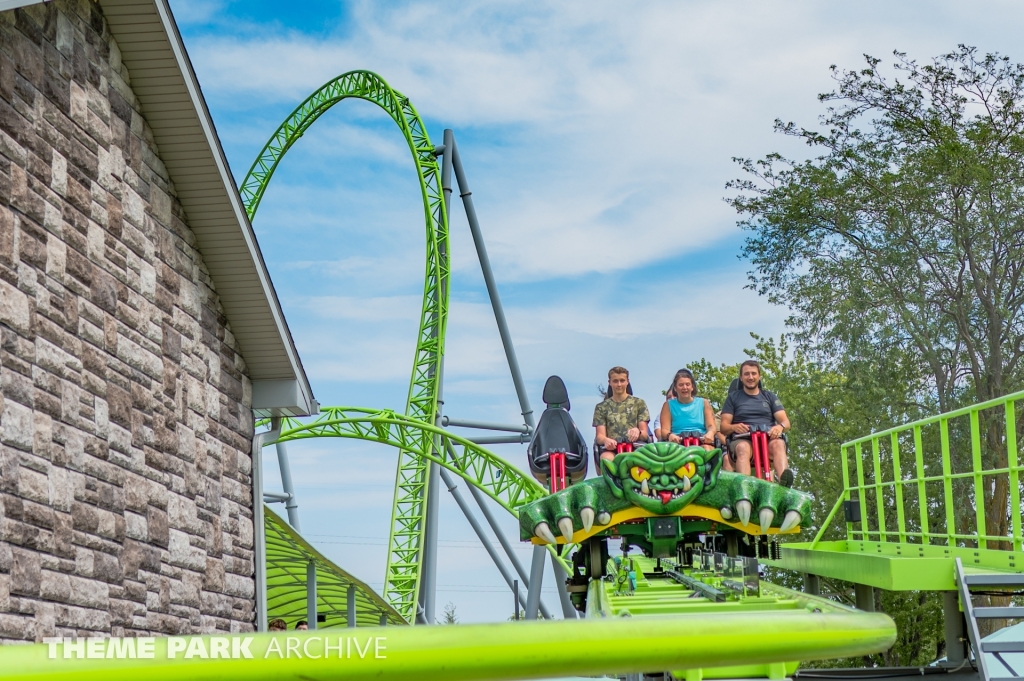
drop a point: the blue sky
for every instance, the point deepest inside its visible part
(597, 138)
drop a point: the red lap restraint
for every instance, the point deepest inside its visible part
(558, 481)
(762, 466)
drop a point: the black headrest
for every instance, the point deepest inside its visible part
(555, 394)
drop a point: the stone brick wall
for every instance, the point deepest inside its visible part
(125, 504)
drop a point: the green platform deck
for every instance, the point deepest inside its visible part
(892, 566)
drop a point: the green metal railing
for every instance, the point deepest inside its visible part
(970, 454)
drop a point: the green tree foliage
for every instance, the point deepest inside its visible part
(899, 246)
(449, 616)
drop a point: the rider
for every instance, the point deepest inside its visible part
(621, 416)
(686, 413)
(752, 407)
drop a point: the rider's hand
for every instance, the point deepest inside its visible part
(740, 428)
(610, 444)
(708, 438)
(633, 434)
(775, 432)
(674, 438)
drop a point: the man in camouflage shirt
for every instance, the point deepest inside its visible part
(621, 416)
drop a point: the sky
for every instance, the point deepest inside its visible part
(597, 138)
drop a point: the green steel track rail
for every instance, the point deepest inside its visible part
(498, 479)
(410, 503)
(482, 652)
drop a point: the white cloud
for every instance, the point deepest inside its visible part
(613, 130)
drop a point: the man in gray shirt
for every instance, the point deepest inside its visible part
(749, 408)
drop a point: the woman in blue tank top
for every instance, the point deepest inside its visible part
(686, 413)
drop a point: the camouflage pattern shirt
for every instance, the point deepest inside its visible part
(619, 417)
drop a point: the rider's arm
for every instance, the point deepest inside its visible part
(709, 420)
(643, 417)
(601, 427)
(728, 427)
(726, 424)
(665, 431)
(782, 420)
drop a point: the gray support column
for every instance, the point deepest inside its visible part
(259, 532)
(483, 425)
(954, 628)
(485, 267)
(350, 606)
(520, 439)
(812, 584)
(515, 601)
(428, 558)
(311, 594)
(568, 609)
(428, 576)
(291, 504)
(536, 580)
(865, 597)
(481, 501)
(484, 539)
(383, 619)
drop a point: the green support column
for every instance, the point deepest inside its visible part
(954, 628)
(865, 596)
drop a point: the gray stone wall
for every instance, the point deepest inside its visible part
(125, 504)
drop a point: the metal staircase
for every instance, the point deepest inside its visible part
(968, 584)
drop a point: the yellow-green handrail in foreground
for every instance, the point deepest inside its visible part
(928, 447)
(520, 650)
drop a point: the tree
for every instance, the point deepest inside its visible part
(449, 614)
(900, 248)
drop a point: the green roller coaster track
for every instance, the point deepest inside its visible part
(410, 502)
(497, 478)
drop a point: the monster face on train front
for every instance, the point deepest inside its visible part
(671, 502)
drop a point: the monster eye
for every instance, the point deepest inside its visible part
(639, 474)
(686, 470)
